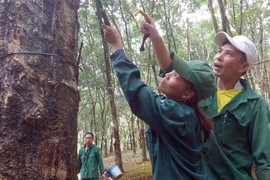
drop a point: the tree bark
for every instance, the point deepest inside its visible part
(133, 134)
(223, 15)
(188, 40)
(213, 17)
(103, 106)
(39, 95)
(111, 97)
(144, 148)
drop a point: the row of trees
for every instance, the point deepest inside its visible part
(188, 28)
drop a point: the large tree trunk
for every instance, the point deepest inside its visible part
(38, 92)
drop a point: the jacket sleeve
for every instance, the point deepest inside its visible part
(140, 97)
(260, 135)
(100, 161)
(79, 163)
(170, 68)
(160, 114)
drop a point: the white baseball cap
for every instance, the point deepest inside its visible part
(242, 43)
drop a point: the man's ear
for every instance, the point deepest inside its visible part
(244, 67)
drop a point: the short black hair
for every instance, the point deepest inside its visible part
(92, 134)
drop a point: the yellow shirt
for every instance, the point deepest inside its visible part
(223, 97)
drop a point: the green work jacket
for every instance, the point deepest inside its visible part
(88, 165)
(241, 136)
(174, 135)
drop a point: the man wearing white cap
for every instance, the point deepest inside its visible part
(241, 130)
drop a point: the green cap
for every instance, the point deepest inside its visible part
(199, 73)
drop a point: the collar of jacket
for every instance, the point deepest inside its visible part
(246, 94)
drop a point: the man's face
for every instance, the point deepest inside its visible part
(88, 139)
(229, 62)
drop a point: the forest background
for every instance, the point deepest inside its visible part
(187, 27)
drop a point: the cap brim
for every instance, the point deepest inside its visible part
(181, 67)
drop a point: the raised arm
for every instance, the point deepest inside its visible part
(162, 54)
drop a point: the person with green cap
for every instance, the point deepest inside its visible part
(176, 125)
(241, 117)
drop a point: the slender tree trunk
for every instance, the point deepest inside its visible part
(213, 17)
(241, 17)
(102, 106)
(223, 16)
(165, 16)
(125, 24)
(140, 136)
(168, 26)
(133, 134)
(144, 148)
(39, 96)
(129, 142)
(111, 142)
(110, 91)
(93, 102)
(188, 40)
(105, 152)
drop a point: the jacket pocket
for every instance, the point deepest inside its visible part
(91, 157)
(232, 131)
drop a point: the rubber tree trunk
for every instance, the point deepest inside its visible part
(38, 92)
(111, 97)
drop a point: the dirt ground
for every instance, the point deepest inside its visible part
(134, 168)
(132, 163)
